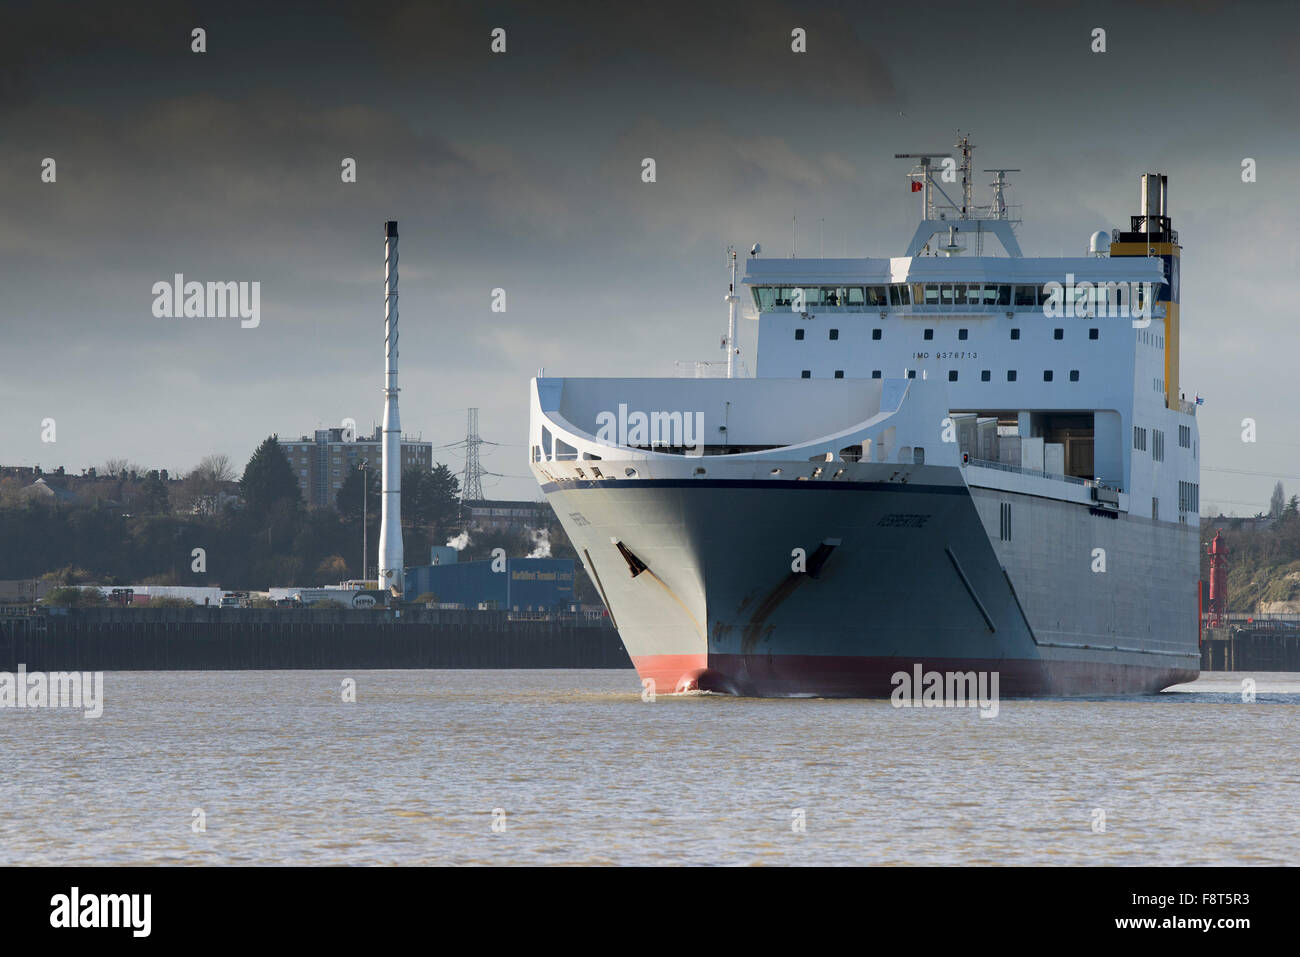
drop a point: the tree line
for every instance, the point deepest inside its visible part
(135, 526)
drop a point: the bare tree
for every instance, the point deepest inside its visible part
(216, 468)
(1277, 501)
(201, 488)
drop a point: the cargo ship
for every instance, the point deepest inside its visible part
(957, 459)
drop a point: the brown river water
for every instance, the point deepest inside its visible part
(573, 767)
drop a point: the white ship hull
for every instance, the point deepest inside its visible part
(698, 560)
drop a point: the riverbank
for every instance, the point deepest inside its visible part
(183, 639)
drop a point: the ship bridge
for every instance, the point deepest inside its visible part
(1071, 360)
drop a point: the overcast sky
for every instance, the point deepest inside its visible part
(522, 171)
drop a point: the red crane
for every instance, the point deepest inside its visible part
(1218, 552)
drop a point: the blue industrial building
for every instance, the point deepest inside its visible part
(525, 584)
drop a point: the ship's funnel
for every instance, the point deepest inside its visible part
(1155, 200)
(390, 529)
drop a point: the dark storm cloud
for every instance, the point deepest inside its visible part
(522, 171)
(38, 37)
(645, 51)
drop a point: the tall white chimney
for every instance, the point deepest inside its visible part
(390, 529)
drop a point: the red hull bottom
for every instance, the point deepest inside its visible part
(827, 676)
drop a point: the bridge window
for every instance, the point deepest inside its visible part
(877, 296)
(764, 298)
(1026, 295)
(1084, 304)
(851, 296)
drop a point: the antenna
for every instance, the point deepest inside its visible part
(471, 484)
(999, 209)
(937, 217)
(729, 343)
(964, 144)
(924, 171)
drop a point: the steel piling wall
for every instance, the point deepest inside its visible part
(111, 639)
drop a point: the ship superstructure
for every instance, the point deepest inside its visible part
(967, 462)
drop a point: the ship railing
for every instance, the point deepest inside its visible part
(1021, 470)
(707, 369)
(1277, 621)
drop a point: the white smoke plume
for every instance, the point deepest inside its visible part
(459, 542)
(541, 542)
